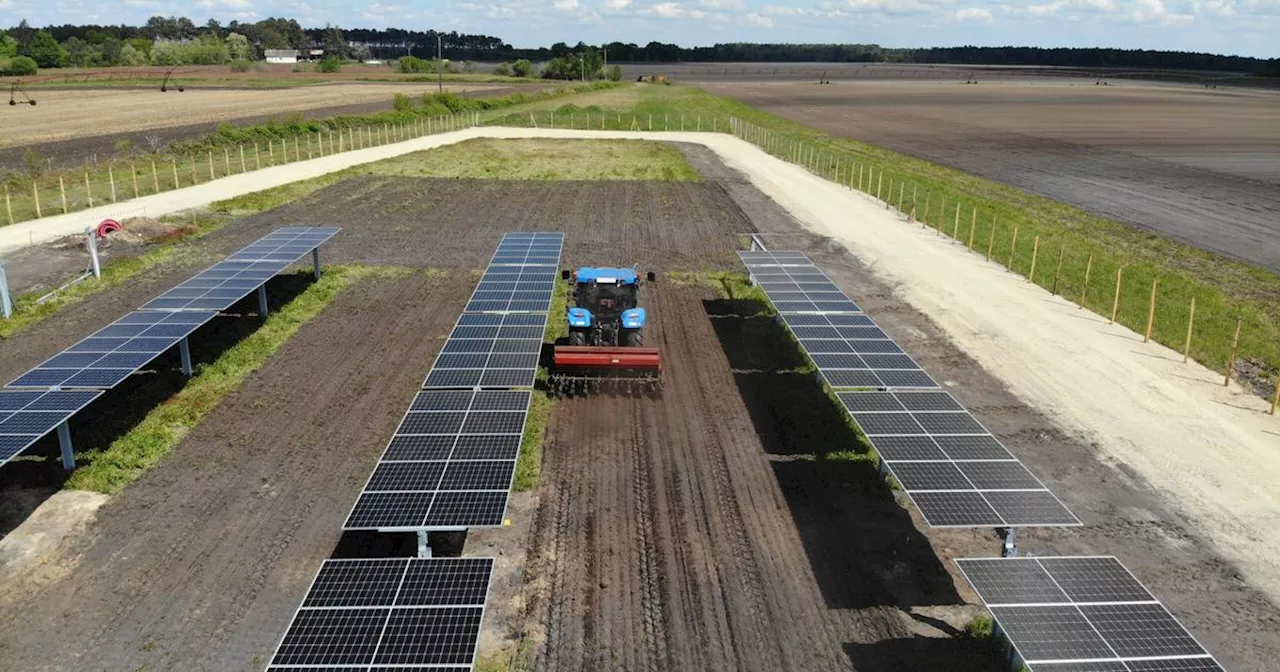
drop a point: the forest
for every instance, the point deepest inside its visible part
(186, 42)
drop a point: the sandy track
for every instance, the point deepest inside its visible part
(63, 114)
(1202, 167)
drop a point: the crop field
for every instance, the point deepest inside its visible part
(737, 522)
(1200, 166)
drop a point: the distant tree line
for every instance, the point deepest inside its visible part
(88, 45)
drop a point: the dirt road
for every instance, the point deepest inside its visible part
(1201, 166)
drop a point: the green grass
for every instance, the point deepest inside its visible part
(979, 627)
(529, 464)
(128, 457)
(536, 159)
(1225, 290)
(28, 312)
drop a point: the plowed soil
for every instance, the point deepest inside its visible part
(1197, 165)
(711, 529)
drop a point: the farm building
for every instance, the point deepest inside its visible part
(281, 55)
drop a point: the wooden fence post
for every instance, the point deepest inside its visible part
(1035, 254)
(889, 193)
(195, 176)
(63, 188)
(1057, 272)
(942, 214)
(879, 184)
(88, 193)
(111, 177)
(1084, 292)
(226, 160)
(1275, 399)
(955, 232)
(1115, 302)
(8, 206)
(212, 174)
(1235, 347)
(133, 173)
(271, 151)
(243, 168)
(1191, 320)
(861, 167)
(1013, 247)
(928, 197)
(1151, 311)
(155, 176)
(257, 156)
(35, 191)
(913, 196)
(174, 164)
(297, 149)
(973, 226)
(991, 242)
(310, 152)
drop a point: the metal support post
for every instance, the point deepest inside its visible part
(6, 303)
(262, 300)
(1008, 548)
(184, 349)
(424, 546)
(93, 252)
(68, 450)
(315, 262)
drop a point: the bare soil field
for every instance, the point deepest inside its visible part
(77, 113)
(1201, 166)
(707, 529)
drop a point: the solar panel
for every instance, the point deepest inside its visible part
(27, 415)
(490, 350)
(518, 288)
(111, 354)
(287, 243)
(391, 613)
(528, 248)
(449, 465)
(955, 471)
(1082, 613)
(220, 286)
(852, 351)
(794, 284)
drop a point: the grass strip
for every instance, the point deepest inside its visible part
(27, 311)
(128, 457)
(986, 215)
(529, 464)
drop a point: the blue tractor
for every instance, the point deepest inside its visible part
(606, 335)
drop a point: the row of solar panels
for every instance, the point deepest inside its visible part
(954, 470)
(449, 466)
(77, 375)
(1072, 614)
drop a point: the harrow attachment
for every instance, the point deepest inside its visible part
(583, 370)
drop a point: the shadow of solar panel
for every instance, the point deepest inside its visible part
(1051, 633)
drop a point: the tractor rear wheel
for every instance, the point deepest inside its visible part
(635, 339)
(577, 338)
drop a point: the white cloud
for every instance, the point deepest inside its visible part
(616, 5)
(6, 4)
(757, 21)
(565, 5)
(972, 14)
(721, 4)
(223, 4)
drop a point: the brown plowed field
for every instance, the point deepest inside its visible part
(1201, 166)
(705, 530)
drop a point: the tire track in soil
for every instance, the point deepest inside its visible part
(199, 564)
(668, 541)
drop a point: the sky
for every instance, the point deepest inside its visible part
(1243, 27)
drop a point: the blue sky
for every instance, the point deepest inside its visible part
(1246, 27)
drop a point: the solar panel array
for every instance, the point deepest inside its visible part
(111, 354)
(794, 284)
(957, 473)
(497, 340)
(287, 243)
(1083, 613)
(107, 357)
(388, 614)
(449, 465)
(220, 286)
(27, 415)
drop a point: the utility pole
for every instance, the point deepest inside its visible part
(439, 65)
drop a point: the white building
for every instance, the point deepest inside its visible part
(281, 55)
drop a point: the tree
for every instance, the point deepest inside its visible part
(44, 50)
(615, 73)
(166, 53)
(130, 56)
(20, 66)
(503, 70)
(81, 54)
(334, 42)
(8, 46)
(329, 64)
(522, 68)
(110, 47)
(238, 47)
